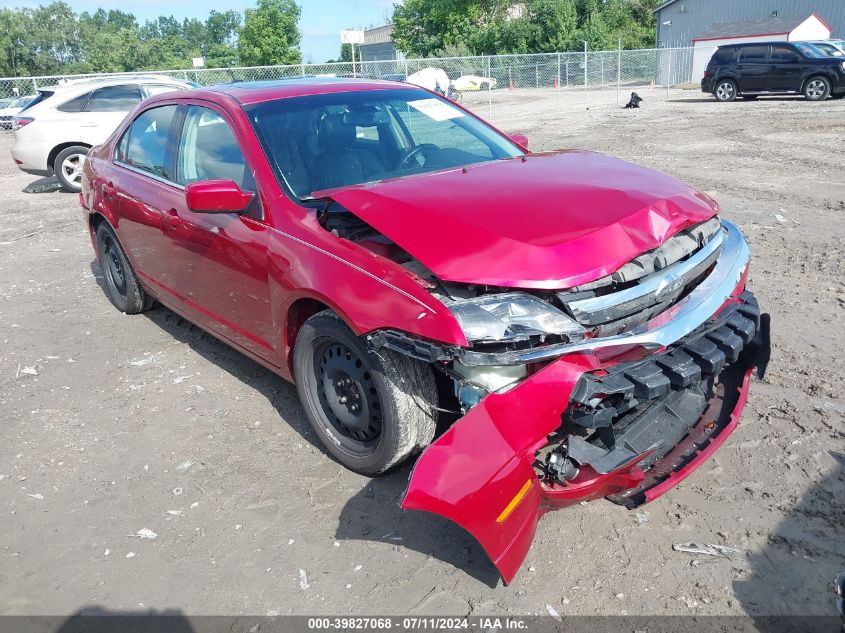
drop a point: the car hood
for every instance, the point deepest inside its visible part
(552, 220)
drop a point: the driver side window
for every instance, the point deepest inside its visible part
(209, 150)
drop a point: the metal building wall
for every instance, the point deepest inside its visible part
(691, 17)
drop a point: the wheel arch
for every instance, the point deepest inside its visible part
(816, 72)
(51, 157)
(298, 313)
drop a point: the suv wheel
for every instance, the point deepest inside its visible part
(725, 90)
(817, 89)
(369, 410)
(68, 167)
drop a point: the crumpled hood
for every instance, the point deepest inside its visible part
(552, 220)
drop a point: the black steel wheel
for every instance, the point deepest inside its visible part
(348, 395)
(122, 286)
(370, 410)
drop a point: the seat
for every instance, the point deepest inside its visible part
(338, 163)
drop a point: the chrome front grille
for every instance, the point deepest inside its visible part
(647, 285)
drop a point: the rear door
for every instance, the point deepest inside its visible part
(785, 69)
(143, 170)
(219, 260)
(753, 66)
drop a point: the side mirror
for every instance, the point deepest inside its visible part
(519, 139)
(216, 196)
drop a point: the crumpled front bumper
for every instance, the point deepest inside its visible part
(481, 473)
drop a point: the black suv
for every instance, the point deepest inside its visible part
(750, 70)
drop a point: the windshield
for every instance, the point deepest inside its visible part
(347, 138)
(810, 50)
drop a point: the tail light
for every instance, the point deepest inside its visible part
(20, 121)
(706, 73)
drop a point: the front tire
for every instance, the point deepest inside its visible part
(370, 410)
(68, 167)
(817, 89)
(123, 288)
(726, 90)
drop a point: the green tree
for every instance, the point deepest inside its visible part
(270, 34)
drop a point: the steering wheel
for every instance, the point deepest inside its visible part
(416, 151)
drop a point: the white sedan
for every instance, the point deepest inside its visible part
(473, 83)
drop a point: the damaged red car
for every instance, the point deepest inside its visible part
(536, 329)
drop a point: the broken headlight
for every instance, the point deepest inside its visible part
(512, 317)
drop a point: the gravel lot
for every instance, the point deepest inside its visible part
(113, 424)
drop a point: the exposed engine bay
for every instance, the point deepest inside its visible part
(629, 297)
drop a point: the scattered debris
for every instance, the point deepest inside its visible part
(130, 555)
(707, 549)
(146, 533)
(48, 184)
(780, 218)
(291, 541)
(194, 504)
(27, 371)
(177, 492)
(180, 468)
(642, 518)
(553, 613)
(38, 496)
(176, 513)
(303, 580)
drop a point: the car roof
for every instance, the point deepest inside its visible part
(249, 92)
(89, 83)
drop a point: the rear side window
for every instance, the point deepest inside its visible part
(76, 104)
(724, 55)
(754, 53)
(144, 144)
(114, 99)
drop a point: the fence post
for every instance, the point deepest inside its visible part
(669, 75)
(618, 70)
(489, 92)
(585, 63)
(558, 71)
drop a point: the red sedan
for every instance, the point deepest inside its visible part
(545, 328)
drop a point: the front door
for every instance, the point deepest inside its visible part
(785, 68)
(219, 259)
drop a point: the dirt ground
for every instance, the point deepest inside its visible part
(112, 424)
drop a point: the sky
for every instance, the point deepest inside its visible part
(321, 22)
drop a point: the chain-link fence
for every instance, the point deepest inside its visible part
(595, 77)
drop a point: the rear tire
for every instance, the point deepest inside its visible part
(817, 89)
(370, 410)
(726, 90)
(123, 288)
(68, 167)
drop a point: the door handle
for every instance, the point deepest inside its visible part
(173, 219)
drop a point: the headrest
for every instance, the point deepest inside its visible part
(335, 133)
